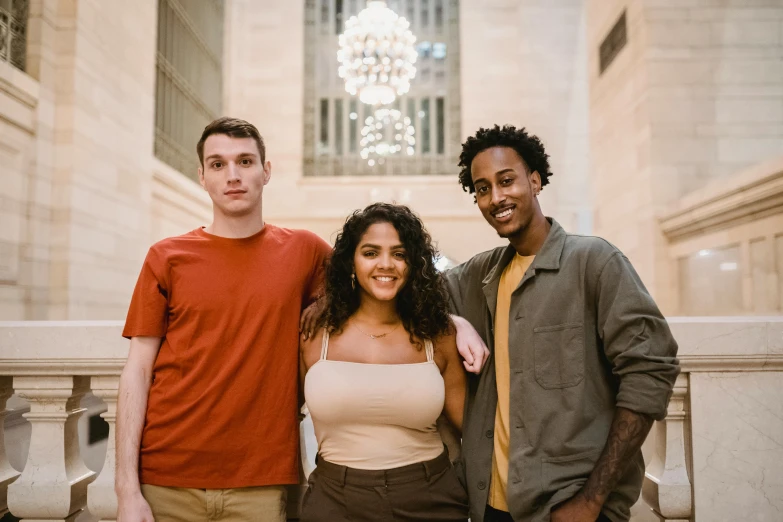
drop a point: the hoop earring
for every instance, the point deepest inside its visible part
(353, 281)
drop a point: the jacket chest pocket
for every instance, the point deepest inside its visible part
(559, 355)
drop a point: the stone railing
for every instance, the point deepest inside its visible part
(717, 457)
(52, 366)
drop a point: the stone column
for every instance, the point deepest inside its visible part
(101, 498)
(7, 473)
(667, 485)
(53, 485)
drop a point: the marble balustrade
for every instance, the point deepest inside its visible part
(718, 456)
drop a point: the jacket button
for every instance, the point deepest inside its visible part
(482, 484)
(489, 434)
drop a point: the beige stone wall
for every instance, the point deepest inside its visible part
(178, 203)
(103, 146)
(715, 89)
(18, 102)
(83, 197)
(725, 248)
(27, 122)
(696, 95)
(525, 63)
(619, 137)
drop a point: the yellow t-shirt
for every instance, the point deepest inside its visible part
(512, 275)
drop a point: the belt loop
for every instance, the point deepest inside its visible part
(426, 470)
(343, 473)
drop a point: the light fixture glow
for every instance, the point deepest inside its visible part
(381, 139)
(377, 55)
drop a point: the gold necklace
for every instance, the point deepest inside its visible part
(371, 336)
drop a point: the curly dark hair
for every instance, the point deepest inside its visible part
(528, 146)
(422, 303)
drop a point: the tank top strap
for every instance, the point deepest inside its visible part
(325, 344)
(430, 350)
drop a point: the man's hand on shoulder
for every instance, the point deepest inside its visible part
(309, 318)
(578, 509)
(470, 345)
(133, 508)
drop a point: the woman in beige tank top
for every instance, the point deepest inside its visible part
(378, 376)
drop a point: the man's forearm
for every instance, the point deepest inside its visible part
(131, 410)
(470, 345)
(626, 436)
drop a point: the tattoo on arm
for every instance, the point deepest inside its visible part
(626, 436)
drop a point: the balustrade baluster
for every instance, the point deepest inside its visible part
(53, 484)
(7, 473)
(667, 486)
(101, 499)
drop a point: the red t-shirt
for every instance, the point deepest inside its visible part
(222, 409)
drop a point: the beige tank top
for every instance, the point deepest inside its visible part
(375, 416)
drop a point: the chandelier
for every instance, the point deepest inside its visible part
(384, 134)
(377, 55)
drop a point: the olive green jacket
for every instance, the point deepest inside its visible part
(585, 337)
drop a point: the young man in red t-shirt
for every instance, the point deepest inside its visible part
(207, 423)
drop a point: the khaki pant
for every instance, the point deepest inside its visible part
(261, 504)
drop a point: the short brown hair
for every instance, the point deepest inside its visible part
(234, 128)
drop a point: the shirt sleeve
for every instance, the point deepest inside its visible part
(315, 287)
(453, 278)
(637, 340)
(148, 311)
(464, 282)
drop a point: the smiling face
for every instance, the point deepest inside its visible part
(234, 174)
(380, 263)
(505, 190)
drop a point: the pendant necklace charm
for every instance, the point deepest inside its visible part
(378, 336)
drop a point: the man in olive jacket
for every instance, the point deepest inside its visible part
(582, 360)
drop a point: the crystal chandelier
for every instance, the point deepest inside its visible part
(377, 55)
(384, 134)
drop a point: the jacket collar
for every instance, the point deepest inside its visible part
(548, 258)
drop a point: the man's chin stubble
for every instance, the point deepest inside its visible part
(508, 235)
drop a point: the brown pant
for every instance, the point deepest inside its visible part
(262, 504)
(423, 492)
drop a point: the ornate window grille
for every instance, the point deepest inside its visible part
(334, 119)
(13, 32)
(189, 89)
